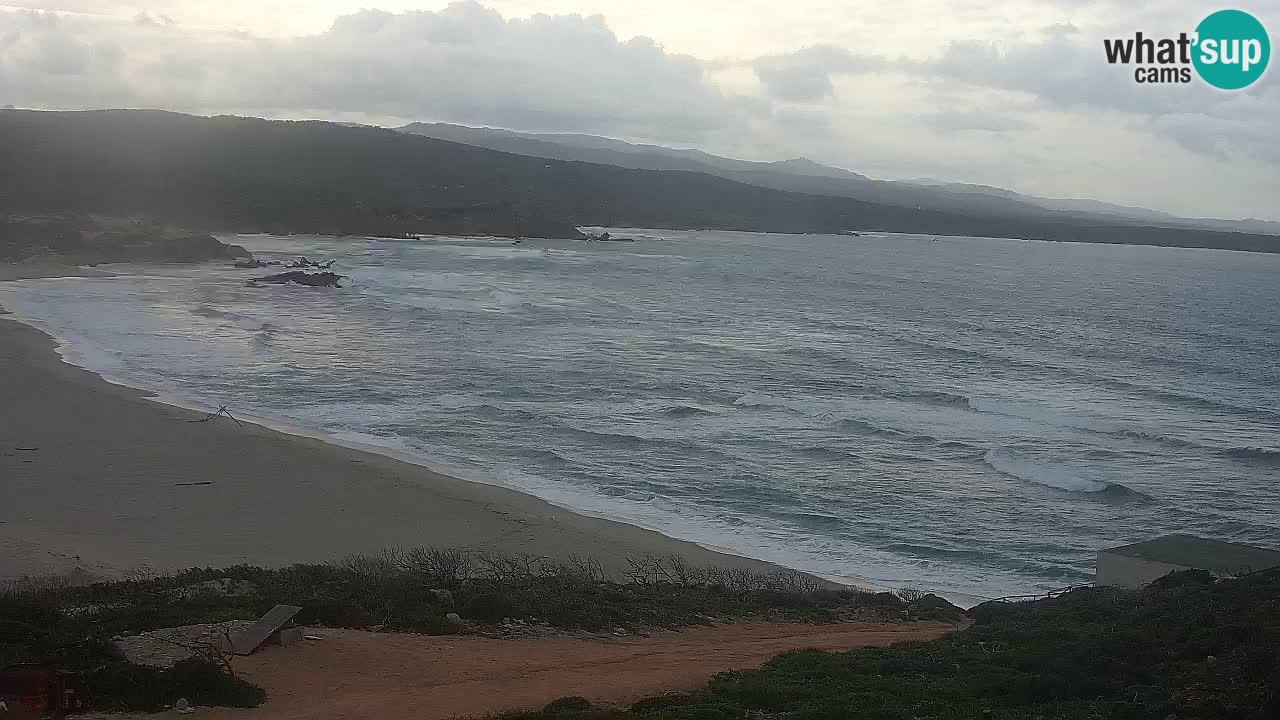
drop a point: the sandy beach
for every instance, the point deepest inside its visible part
(95, 477)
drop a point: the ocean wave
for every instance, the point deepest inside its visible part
(1260, 455)
(1267, 456)
(822, 452)
(862, 427)
(629, 441)
(391, 442)
(931, 551)
(684, 411)
(856, 425)
(1057, 477)
(760, 400)
(940, 398)
(757, 400)
(241, 320)
(546, 457)
(1182, 397)
(812, 520)
(453, 401)
(1158, 438)
(1040, 414)
(1091, 377)
(433, 303)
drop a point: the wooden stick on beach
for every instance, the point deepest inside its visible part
(222, 410)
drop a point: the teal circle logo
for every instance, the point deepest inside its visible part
(1232, 49)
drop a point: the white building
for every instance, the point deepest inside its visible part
(1138, 564)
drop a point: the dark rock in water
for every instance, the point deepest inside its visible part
(256, 263)
(304, 262)
(324, 279)
(606, 237)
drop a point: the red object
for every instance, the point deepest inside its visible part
(41, 691)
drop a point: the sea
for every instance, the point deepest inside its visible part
(972, 416)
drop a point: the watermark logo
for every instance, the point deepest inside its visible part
(1229, 50)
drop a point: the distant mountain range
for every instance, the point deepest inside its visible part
(806, 176)
(248, 174)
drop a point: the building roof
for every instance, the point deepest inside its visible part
(1201, 554)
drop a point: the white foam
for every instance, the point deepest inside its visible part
(1060, 477)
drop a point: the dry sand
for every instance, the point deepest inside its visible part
(351, 674)
(95, 477)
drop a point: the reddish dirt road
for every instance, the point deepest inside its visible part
(351, 674)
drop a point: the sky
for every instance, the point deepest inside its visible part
(1010, 93)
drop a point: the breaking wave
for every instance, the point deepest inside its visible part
(1057, 477)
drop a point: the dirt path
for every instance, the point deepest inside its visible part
(354, 674)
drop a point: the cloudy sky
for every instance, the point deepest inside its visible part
(1013, 93)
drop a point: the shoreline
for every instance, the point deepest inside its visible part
(640, 540)
(99, 506)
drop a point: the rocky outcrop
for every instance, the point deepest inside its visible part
(93, 241)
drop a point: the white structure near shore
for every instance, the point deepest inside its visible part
(1136, 565)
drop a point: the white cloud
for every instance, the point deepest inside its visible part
(465, 63)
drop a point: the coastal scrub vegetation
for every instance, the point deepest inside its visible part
(422, 590)
(1187, 646)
